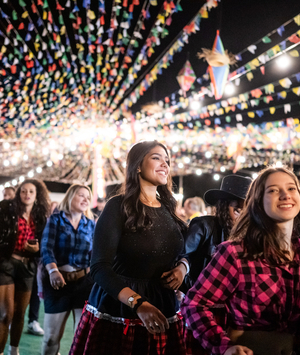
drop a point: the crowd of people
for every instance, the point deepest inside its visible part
(142, 276)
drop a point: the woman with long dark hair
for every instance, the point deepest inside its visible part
(22, 221)
(255, 275)
(136, 265)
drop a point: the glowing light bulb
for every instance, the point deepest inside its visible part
(283, 61)
(254, 176)
(229, 89)
(39, 170)
(199, 172)
(49, 163)
(31, 174)
(208, 155)
(216, 177)
(195, 105)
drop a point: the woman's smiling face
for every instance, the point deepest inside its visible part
(281, 197)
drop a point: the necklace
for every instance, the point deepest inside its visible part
(154, 203)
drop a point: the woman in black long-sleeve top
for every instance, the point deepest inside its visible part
(136, 265)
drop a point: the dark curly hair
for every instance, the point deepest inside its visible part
(136, 214)
(259, 233)
(222, 213)
(41, 208)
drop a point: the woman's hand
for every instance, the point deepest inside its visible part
(32, 248)
(152, 318)
(173, 279)
(57, 280)
(238, 350)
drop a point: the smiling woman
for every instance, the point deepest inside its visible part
(66, 253)
(137, 264)
(255, 275)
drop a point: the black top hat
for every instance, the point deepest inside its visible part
(232, 187)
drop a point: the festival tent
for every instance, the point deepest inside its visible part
(81, 81)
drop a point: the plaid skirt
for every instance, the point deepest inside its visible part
(100, 334)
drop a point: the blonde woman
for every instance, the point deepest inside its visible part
(66, 252)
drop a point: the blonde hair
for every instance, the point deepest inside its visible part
(65, 204)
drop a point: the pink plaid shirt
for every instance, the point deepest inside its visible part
(257, 296)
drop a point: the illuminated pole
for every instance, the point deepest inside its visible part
(98, 186)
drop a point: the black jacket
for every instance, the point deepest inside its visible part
(9, 228)
(201, 239)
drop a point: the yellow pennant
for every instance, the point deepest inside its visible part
(272, 110)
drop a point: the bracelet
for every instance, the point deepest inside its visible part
(138, 303)
(186, 264)
(52, 270)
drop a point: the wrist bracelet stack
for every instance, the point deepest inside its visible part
(185, 263)
(138, 303)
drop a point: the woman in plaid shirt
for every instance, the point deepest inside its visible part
(255, 275)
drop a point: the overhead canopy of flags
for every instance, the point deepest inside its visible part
(70, 71)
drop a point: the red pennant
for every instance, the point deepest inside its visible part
(10, 27)
(59, 7)
(207, 122)
(130, 9)
(125, 3)
(102, 20)
(40, 2)
(262, 69)
(50, 17)
(13, 69)
(34, 9)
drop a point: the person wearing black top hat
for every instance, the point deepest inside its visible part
(207, 232)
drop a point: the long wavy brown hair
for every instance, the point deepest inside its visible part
(261, 236)
(41, 208)
(137, 215)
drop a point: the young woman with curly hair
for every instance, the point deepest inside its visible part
(255, 275)
(136, 265)
(207, 232)
(22, 221)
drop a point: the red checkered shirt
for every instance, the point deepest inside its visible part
(25, 231)
(257, 296)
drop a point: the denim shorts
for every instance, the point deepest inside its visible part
(72, 296)
(17, 272)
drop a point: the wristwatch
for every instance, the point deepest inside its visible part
(131, 300)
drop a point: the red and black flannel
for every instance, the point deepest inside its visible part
(257, 296)
(25, 232)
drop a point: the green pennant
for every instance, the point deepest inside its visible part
(60, 19)
(72, 16)
(22, 3)
(14, 15)
(37, 38)
(80, 30)
(248, 66)
(165, 32)
(154, 32)
(270, 53)
(136, 44)
(93, 38)
(228, 119)
(109, 51)
(10, 56)
(90, 79)
(44, 61)
(45, 6)
(18, 37)
(266, 39)
(125, 41)
(86, 29)
(125, 15)
(80, 55)
(178, 7)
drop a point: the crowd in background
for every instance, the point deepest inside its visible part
(124, 268)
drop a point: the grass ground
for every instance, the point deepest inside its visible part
(31, 344)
